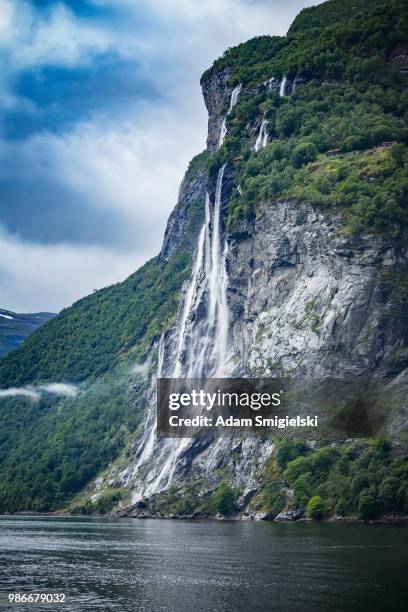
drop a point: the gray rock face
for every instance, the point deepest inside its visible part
(292, 514)
(399, 60)
(305, 299)
(185, 220)
(217, 95)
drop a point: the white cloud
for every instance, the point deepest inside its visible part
(131, 165)
(20, 391)
(52, 38)
(63, 389)
(140, 368)
(34, 392)
(41, 277)
(6, 17)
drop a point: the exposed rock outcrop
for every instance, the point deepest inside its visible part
(399, 60)
(216, 92)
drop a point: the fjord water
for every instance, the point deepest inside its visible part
(155, 565)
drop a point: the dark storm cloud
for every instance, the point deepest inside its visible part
(63, 96)
(46, 213)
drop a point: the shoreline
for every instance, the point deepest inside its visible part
(381, 520)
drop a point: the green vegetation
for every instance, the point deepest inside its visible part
(223, 500)
(356, 479)
(185, 500)
(51, 449)
(92, 336)
(273, 499)
(104, 504)
(315, 508)
(175, 500)
(324, 137)
(330, 41)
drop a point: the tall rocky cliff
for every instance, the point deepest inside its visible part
(304, 299)
(286, 254)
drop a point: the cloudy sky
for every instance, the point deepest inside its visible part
(100, 112)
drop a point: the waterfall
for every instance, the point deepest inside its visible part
(201, 343)
(190, 296)
(234, 96)
(204, 339)
(218, 311)
(270, 83)
(282, 90)
(208, 340)
(262, 139)
(160, 357)
(233, 100)
(149, 433)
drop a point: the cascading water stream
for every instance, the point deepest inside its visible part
(149, 434)
(208, 339)
(233, 100)
(191, 294)
(218, 311)
(282, 89)
(173, 448)
(262, 139)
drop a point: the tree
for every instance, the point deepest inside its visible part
(315, 508)
(367, 506)
(303, 154)
(387, 492)
(288, 450)
(398, 153)
(342, 507)
(223, 500)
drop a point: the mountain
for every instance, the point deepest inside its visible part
(14, 328)
(286, 254)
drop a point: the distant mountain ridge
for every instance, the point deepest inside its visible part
(15, 327)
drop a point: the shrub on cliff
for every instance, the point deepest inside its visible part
(315, 508)
(223, 499)
(304, 153)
